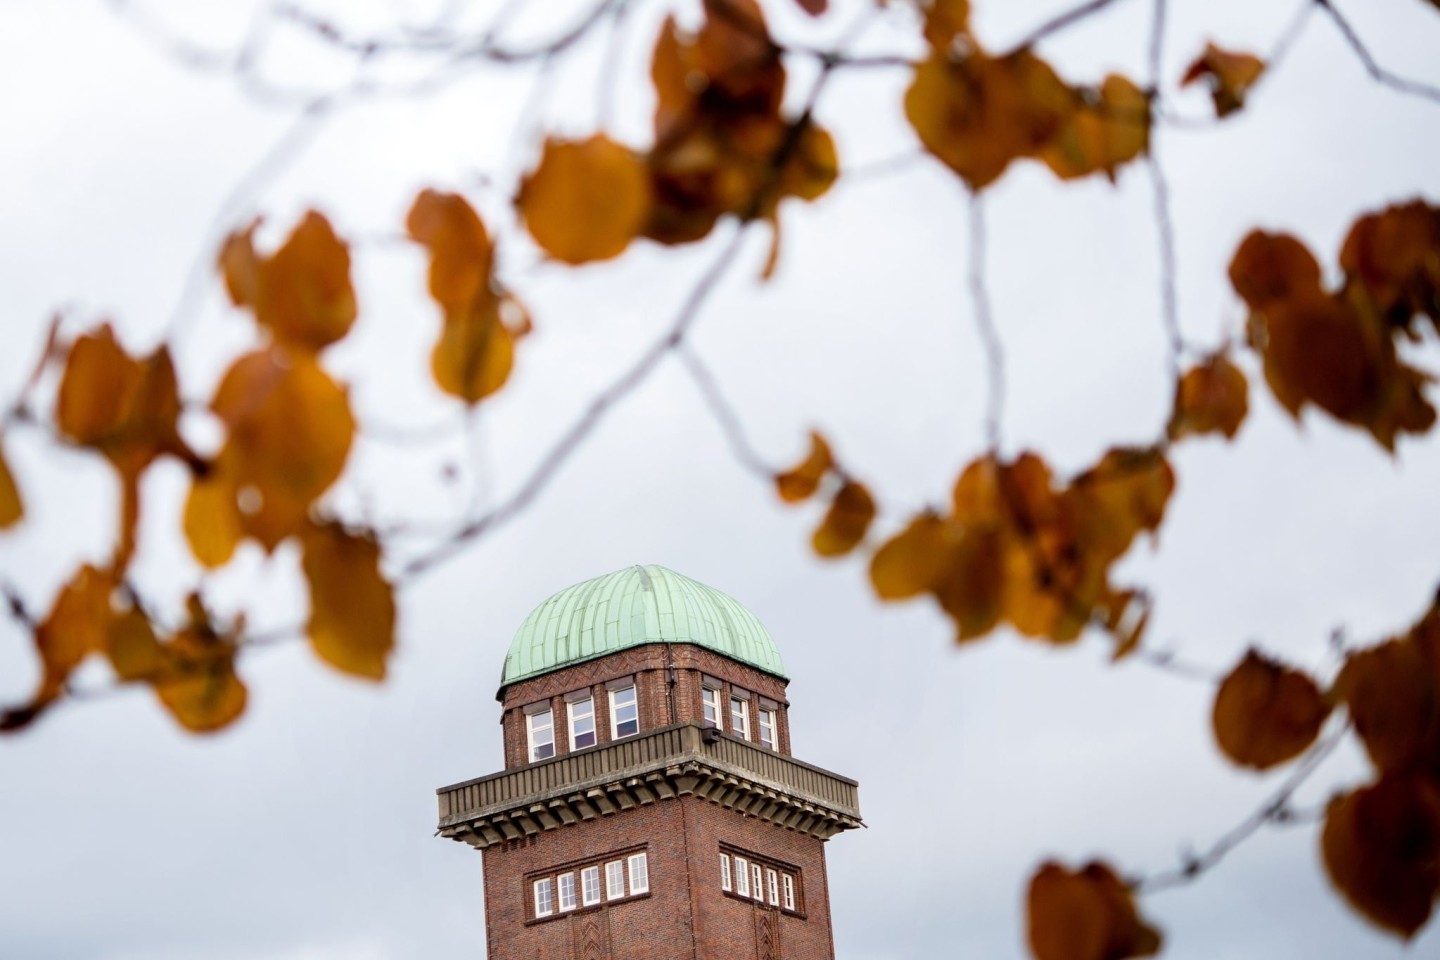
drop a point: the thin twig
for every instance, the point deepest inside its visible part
(1275, 809)
(1062, 21)
(985, 323)
(1165, 236)
(724, 413)
(1372, 66)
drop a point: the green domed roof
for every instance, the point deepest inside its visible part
(631, 607)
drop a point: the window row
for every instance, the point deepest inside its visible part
(626, 877)
(756, 880)
(580, 714)
(768, 734)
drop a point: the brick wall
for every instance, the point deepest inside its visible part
(650, 665)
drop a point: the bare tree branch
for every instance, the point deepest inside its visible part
(1372, 66)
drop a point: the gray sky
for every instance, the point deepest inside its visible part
(304, 832)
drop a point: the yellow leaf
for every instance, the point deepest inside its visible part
(1229, 74)
(12, 509)
(132, 647)
(352, 607)
(1111, 127)
(461, 254)
(196, 680)
(911, 562)
(846, 521)
(1123, 494)
(473, 356)
(1087, 914)
(800, 482)
(812, 166)
(586, 200)
(970, 589)
(1266, 714)
(212, 522)
(303, 293)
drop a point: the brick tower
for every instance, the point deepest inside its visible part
(650, 806)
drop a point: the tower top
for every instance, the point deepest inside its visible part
(631, 607)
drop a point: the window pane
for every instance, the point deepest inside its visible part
(614, 880)
(582, 724)
(739, 718)
(567, 891)
(789, 884)
(590, 883)
(639, 874)
(767, 729)
(541, 728)
(742, 876)
(624, 713)
(544, 905)
(710, 703)
(772, 888)
(755, 876)
(724, 871)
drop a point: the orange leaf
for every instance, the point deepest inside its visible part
(586, 200)
(12, 509)
(474, 355)
(352, 607)
(1273, 266)
(846, 521)
(800, 482)
(1111, 127)
(1211, 397)
(970, 589)
(944, 21)
(1230, 76)
(912, 561)
(1085, 915)
(1394, 256)
(303, 293)
(461, 254)
(1381, 846)
(132, 647)
(1266, 714)
(1393, 696)
(196, 680)
(240, 266)
(979, 113)
(213, 525)
(1123, 494)
(812, 165)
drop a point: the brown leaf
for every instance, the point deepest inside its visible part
(12, 509)
(944, 21)
(352, 606)
(1266, 714)
(911, 562)
(77, 626)
(1212, 397)
(132, 647)
(1393, 696)
(196, 680)
(813, 7)
(1230, 76)
(846, 521)
(240, 266)
(1122, 495)
(586, 200)
(461, 254)
(1085, 915)
(1111, 127)
(801, 481)
(970, 588)
(1394, 256)
(1381, 846)
(979, 113)
(474, 355)
(1273, 266)
(303, 294)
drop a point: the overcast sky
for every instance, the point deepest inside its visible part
(305, 830)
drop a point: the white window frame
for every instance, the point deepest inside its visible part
(533, 746)
(566, 883)
(787, 883)
(724, 871)
(634, 704)
(590, 886)
(740, 717)
(710, 705)
(573, 715)
(639, 870)
(772, 887)
(544, 897)
(614, 880)
(769, 729)
(756, 879)
(742, 876)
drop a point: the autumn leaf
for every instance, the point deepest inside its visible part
(1266, 714)
(461, 254)
(352, 606)
(813, 7)
(586, 200)
(1269, 267)
(845, 522)
(911, 562)
(978, 113)
(132, 647)
(1121, 496)
(195, 680)
(1393, 695)
(944, 21)
(1381, 846)
(12, 509)
(1110, 127)
(1394, 257)
(1087, 914)
(474, 355)
(304, 296)
(78, 625)
(1212, 397)
(1126, 613)
(801, 481)
(212, 521)
(1230, 76)
(970, 588)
